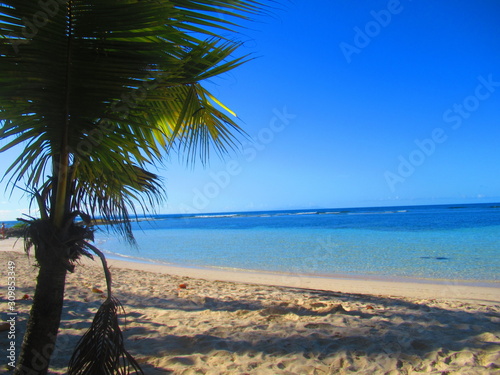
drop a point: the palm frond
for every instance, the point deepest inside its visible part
(101, 349)
(110, 189)
(132, 68)
(66, 245)
(97, 92)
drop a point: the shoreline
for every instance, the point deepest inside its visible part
(190, 321)
(448, 290)
(334, 276)
(458, 290)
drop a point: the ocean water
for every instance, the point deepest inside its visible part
(446, 242)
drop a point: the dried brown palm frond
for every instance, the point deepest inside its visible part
(67, 244)
(101, 350)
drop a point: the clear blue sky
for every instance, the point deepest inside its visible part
(354, 103)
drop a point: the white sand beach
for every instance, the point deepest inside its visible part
(235, 322)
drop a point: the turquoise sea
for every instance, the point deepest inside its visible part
(447, 242)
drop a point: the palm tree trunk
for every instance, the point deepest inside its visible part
(41, 332)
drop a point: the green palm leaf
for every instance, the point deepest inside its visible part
(116, 75)
(97, 92)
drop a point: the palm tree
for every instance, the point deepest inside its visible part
(96, 92)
